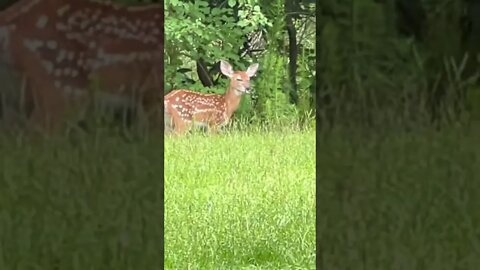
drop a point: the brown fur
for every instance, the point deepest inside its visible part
(120, 48)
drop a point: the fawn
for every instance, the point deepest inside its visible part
(185, 108)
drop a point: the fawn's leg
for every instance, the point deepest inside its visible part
(152, 96)
(49, 109)
(213, 129)
(152, 107)
(48, 103)
(168, 123)
(179, 126)
(47, 99)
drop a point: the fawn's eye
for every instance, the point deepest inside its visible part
(239, 79)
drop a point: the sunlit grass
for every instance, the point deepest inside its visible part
(240, 200)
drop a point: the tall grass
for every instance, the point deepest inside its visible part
(93, 202)
(399, 200)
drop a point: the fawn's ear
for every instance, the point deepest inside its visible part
(226, 68)
(252, 69)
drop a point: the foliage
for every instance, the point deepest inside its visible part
(380, 64)
(272, 100)
(195, 30)
(307, 88)
(214, 30)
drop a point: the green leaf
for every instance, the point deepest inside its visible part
(231, 3)
(215, 11)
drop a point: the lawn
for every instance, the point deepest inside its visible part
(240, 200)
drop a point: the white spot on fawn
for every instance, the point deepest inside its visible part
(61, 55)
(52, 44)
(33, 45)
(48, 66)
(42, 21)
(74, 73)
(61, 27)
(71, 55)
(61, 11)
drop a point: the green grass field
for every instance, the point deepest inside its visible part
(397, 200)
(387, 200)
(242, 200)
(87, 203)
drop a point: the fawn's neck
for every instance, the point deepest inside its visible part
(232, 100)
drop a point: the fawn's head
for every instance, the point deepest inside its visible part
(239, 80)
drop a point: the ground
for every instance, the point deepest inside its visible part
(243, 200)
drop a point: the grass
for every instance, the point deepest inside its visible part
(386, 199)
(241, 200)
(90, 203)
(398, 200)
